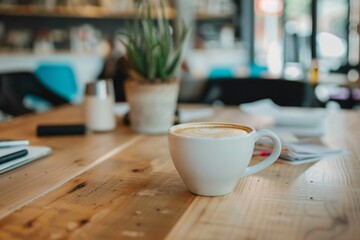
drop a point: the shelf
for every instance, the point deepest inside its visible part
(73, 12)
(31, 53)
(93, 12)
(213, 16)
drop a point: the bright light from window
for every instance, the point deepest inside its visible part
(269, 7)
(293, 71)
(330, 45)
(274, 59)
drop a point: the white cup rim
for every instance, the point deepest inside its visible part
(248, 129)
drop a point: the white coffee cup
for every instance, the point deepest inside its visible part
(211, 157)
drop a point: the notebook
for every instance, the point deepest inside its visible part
(35, 152)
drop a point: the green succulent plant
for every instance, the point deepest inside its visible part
(151, 51)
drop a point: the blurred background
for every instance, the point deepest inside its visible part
(312, 41)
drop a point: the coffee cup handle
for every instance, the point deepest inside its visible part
(269, 160)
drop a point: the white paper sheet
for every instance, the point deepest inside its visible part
(298, 151)
(300, 121)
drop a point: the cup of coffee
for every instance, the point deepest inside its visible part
(211, 157)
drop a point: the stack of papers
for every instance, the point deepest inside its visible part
(299, 121)
(10, 158)
(298, 151)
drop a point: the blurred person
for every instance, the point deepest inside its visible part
(116, 67)
(16, 86)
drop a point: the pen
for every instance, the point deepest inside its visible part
(262, 153)
(12, 156)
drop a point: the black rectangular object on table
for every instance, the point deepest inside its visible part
(55, 130)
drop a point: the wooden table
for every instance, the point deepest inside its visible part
(124, 185)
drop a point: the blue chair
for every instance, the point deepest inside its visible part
(59, 78)
(257, 71)
(221, 72)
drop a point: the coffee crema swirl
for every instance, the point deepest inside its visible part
(211, 132)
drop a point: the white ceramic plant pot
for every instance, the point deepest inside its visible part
(152, 106)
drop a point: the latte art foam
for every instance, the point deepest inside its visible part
(211, 132)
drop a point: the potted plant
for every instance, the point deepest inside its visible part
(152, 88)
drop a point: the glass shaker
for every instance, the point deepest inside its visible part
(99, 104)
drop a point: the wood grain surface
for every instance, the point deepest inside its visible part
(71, 156)
(126, 187)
